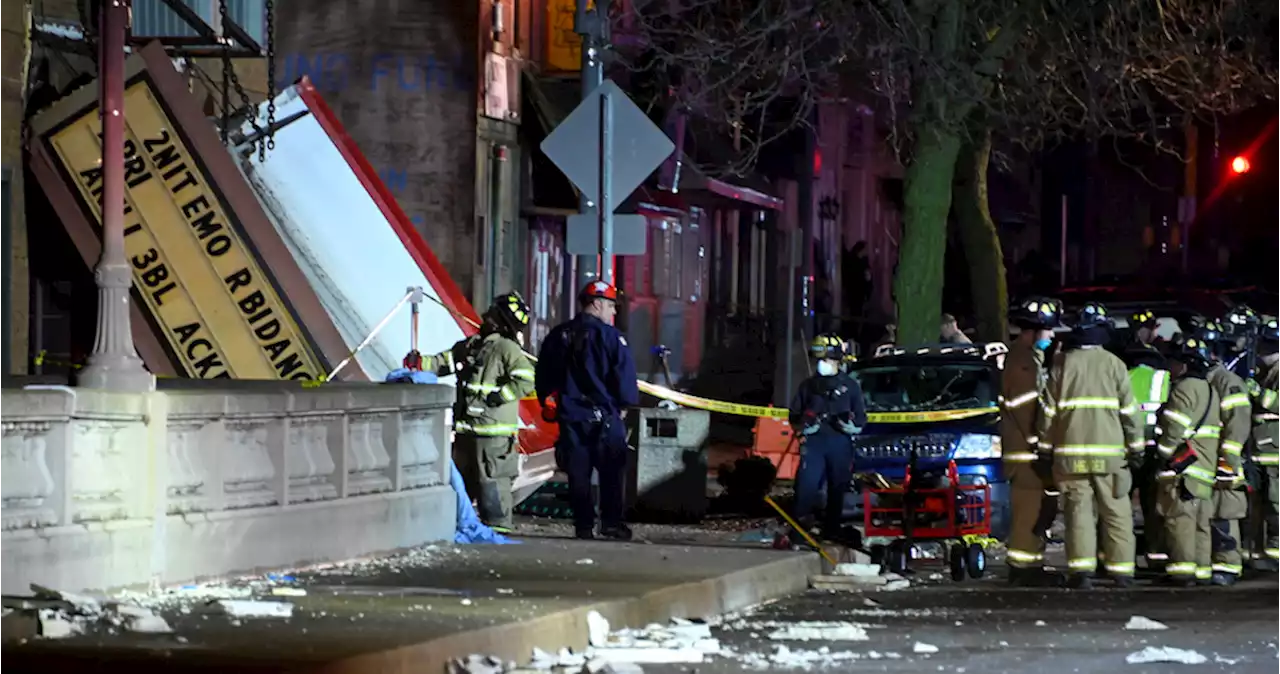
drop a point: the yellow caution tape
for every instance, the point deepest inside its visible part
(663, 393)
(739, 409)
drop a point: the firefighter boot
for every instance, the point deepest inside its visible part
(1080, 581)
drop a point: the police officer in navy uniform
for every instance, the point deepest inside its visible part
(827, 411)
(587, 375)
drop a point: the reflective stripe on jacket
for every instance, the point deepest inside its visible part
(1180, 421)
(494, 374)
(1234, 412)
(1088, 414)
(1020, 385)
(1266, 413)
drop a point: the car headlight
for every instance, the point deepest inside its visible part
(978, 446)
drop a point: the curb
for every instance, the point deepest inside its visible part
(516, 640)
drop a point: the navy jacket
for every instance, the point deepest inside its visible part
(826, 399)
(588, 363)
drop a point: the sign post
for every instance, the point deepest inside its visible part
(587, 22)
(606, 147)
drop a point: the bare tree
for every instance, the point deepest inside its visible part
(948, 75)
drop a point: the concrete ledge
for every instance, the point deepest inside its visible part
(515, 640)
(178, 548)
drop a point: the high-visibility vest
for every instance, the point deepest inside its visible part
(1150, 390)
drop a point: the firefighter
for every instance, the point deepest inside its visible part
(1149, 378)
(1230, 498)
(826, 412)
(1033, 497)
(1241, 326)
(1265, 455)
(1088, 421)
(1142, 328)
(586, 371)
(493, 375)
(1189, 427)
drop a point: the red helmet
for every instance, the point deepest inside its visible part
(598, 290)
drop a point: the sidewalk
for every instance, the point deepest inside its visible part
(412, 612)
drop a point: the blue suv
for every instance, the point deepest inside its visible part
(942, 401)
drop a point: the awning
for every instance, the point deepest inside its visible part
(689, 178)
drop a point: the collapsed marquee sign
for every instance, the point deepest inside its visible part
(197, 251)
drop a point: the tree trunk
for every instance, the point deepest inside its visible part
(917, 286)
(983, 255)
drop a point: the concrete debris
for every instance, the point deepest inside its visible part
(1224, 660)
(477, 664)
(1143, 623)
(863, 570)
(585, 561)
(1152, 654)
(923, 648)
(247, 608)
(870, 602)
(895, 585)
(74, 614)
(1041, 623)
(787, 658)
(55, 624)
(820, 631)
(597, 629)
(647, 655)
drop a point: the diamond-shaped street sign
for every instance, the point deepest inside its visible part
(639, 146)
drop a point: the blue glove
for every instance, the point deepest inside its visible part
(848, 427)
(810, 429)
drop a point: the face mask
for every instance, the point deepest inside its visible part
(1043, 344)
(827, 368)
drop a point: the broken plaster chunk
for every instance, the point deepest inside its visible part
(585, 561)
(1152, 654)
(597, 629)
(148, 624)
(895, 585)
(1143, 623)
(56, 625)
(856, 570)
(248, 608)
(921, 647)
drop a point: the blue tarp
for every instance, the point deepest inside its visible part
(469, 528)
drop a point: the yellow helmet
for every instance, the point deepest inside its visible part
(827, 346)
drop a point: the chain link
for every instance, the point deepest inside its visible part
(271, 74)
(229, 73)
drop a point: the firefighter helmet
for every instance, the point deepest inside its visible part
(1037, 312)
(1210, 332)
(1190, 350)
(827, 346)
(1241, 320)
(1268, 331)
(598, 290)
(509, 312)
(1142, 318)
(1093, 313)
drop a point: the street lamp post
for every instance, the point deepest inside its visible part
(114, 364)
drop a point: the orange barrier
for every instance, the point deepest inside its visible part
(774, 441)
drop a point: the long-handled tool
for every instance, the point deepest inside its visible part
(804, 534)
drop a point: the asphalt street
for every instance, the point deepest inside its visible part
(988, 627)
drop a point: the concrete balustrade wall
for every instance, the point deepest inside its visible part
(104, 490)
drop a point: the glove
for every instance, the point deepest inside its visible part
(810, 429)
(1254, 389)
(494, 400)
(848, 427)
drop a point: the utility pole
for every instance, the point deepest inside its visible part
(114, 363)
(592, 23)
(1187, 207)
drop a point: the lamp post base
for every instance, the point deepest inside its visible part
(114, 365)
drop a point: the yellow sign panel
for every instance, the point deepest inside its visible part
(219, 312)
(564, 47)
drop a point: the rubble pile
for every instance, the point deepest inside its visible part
(58, 615)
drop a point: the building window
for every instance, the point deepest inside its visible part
(153, 18)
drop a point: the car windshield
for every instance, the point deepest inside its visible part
(923, 387)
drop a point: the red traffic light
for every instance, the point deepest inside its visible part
(1240, 165)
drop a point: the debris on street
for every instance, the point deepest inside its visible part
(921, 647)
(1152, 654)
(1143, 623)
(248, 608)
(59, 615)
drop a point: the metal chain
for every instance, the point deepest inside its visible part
(230, 73)
(271, 74)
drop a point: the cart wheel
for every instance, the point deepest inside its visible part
(958, 562)
(896, 557)
(975, 559)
